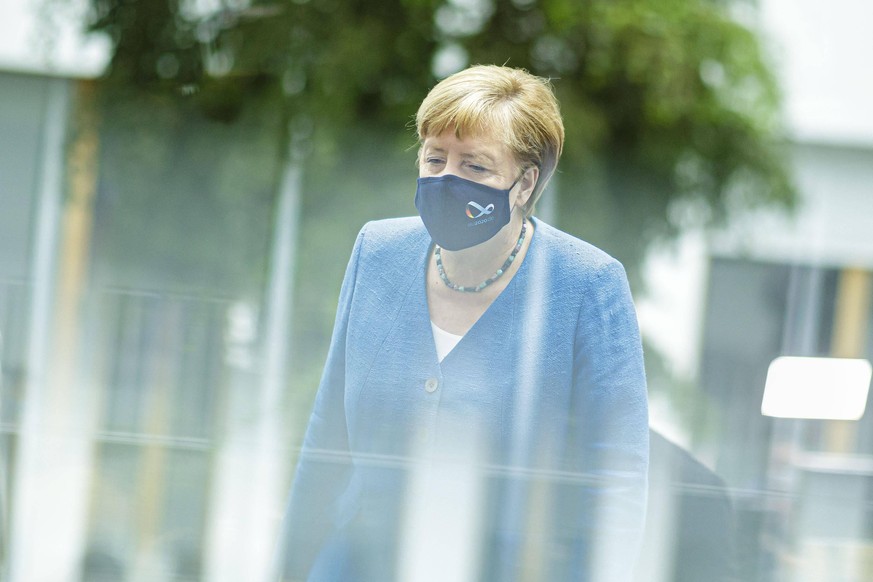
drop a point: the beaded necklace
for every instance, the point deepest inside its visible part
(478, 288)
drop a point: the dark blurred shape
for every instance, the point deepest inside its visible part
(690, 532)
(101, 565)
(152, 42)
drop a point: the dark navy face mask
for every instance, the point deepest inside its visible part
(459, 213)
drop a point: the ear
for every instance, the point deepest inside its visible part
(526, 185)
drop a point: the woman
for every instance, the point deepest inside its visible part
(481, 341)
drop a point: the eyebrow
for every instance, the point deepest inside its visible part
(467, 156)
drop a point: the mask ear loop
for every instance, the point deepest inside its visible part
(514, 184)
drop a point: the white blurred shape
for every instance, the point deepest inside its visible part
(44, 36)
(821, 388)
(449, 59)
(442, 520)
(241, 331)
(822, 51)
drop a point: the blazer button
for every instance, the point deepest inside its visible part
(431, 385)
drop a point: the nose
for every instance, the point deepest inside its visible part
(452, 166)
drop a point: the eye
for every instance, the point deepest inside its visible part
(477, 169)
(431, 161)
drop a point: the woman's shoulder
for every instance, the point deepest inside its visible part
(573, 254)
(393, 235)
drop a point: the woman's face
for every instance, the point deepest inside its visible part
(479, 159)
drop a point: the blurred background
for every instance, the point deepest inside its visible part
(181, 183)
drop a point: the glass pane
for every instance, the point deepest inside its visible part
(199, 267)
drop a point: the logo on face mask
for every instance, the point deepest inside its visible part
(481, 211)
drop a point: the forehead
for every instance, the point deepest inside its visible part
(480, 145)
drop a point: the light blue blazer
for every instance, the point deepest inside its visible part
(548, 388)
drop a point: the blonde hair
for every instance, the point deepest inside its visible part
(511, 105)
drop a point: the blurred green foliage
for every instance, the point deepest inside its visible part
(670, 107)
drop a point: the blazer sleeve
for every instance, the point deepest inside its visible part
(324, 465)
(610, 419)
